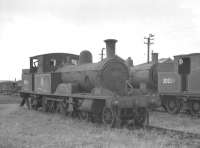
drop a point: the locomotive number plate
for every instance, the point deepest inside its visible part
(168, 81)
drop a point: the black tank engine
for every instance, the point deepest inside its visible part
(74, 85)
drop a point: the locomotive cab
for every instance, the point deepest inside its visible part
(184, 70)
(41, 77)
(51, 62)
(181, 76)
(188, 68)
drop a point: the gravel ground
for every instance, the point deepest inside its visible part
(20, 128)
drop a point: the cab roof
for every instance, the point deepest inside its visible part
(47, 54)
(188, 55)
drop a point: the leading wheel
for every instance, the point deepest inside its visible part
(194, 107)
(108, 117)
(173, 106)
(83, 115)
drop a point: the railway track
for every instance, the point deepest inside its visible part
(180, 134)
(181, 112)
(172, 132)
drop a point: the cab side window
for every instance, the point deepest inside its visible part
(35, 65)
(184, 65)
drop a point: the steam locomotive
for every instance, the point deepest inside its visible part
(176, 82)
(74, 85)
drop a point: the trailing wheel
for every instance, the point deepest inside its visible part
(194, 107)
(24, 100)
(108, 117)
(173, 105)
(141, 116)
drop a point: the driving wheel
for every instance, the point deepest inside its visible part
(108, 117)
(173, 106)
(141, 116)
(194, 107)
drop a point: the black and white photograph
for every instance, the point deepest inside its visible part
(100, 74)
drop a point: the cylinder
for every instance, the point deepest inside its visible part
(85, 57)
(154, 57)
(110, 47)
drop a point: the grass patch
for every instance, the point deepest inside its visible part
(32, 129)
(5, 99)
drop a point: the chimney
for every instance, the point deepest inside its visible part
(110, 47)
(154, 57)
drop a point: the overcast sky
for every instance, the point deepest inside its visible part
(31, 27)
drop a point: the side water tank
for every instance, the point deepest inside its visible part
(85, 57)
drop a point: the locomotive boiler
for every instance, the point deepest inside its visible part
(111, 73)
(144, 79)
(75, 85)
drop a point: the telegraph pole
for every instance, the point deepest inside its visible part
(102, 53)
(148, 42)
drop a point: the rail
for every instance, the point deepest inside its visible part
(181, 134)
